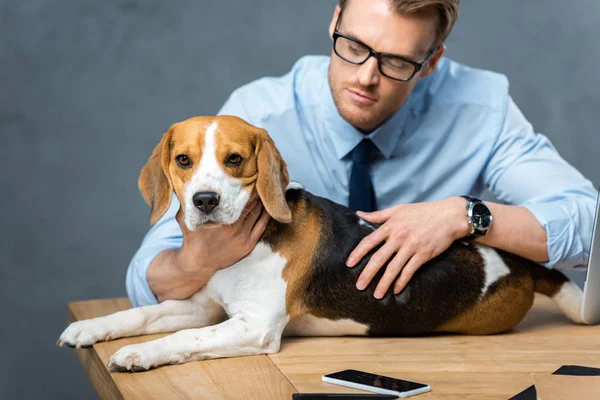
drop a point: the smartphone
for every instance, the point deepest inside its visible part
(376, 383)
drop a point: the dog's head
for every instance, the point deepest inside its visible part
(215, 166)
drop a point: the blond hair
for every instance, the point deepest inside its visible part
(447, 11)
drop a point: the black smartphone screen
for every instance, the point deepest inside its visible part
(380, 381)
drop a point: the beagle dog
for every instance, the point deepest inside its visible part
(295, 281)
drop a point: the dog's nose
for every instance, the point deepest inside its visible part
(206, 201)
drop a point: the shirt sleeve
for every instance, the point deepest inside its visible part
(525, 169)
(165, 234)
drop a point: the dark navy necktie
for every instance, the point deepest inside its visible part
(362, 195)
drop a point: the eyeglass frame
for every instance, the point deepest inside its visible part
(372, 53)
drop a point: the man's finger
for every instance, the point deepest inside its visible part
(179, 219)
(407, 273)
(377, 260)
(367, 244)
(259, 227)
(392, 270)
(376, 217)
(252, 216)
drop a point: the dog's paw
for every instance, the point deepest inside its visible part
(84, 334)
(135, 357)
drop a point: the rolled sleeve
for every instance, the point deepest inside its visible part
(165, 234)
(525, 169)
(565, 242)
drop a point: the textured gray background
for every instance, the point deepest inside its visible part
(87, 88)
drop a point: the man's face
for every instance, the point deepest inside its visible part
(363, 96)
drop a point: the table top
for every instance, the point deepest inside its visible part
(455, 366)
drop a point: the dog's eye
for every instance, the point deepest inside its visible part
(183, 160)
(234, 159)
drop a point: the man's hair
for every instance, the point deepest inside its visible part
(447, 12)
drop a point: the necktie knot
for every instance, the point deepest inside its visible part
(365, 152)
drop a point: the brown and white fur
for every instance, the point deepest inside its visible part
(295, 281)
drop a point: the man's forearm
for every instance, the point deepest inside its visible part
(169, 281)
(516, 230)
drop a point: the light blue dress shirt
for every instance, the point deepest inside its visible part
(458, 133)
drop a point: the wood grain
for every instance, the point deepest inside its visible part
(253, 377)
(456, 367)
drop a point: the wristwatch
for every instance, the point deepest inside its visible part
(479, 218)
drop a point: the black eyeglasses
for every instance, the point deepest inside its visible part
(390, 65)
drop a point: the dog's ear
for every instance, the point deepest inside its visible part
(272, 179)
(155, 182)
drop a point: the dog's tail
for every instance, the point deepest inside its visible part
(565, 293)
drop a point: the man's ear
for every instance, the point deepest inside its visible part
(272, 179)
(433, 61)
(154, 182)
(334, 20)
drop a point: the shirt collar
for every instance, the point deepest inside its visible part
(345, 137)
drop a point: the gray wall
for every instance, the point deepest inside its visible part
(89, 86)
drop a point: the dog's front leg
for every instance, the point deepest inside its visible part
(168, 316)
(235, 337)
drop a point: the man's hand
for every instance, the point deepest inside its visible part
(415, 232)
(179, 273)
(222, 246)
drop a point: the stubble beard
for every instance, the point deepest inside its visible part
(365, 121)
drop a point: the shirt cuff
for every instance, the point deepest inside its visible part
(138, 290)
(565, 249)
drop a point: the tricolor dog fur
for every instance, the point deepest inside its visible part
(295, 281)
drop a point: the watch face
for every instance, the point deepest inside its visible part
(482, 218)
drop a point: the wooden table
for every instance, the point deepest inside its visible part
(456, 367)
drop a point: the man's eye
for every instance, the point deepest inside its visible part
(234, 159)
(183, 160)
(356, 49)
(397, 64)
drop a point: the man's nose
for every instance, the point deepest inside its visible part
(368, 73)
(206, 201)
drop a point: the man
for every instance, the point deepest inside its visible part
(386, 123)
